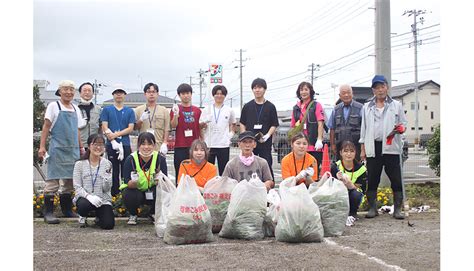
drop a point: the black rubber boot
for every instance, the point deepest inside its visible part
(397, 205)
(66, 205)
(372, 200)
(49, 210)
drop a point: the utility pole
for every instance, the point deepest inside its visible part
(201, 81)
(383, 46)
(241, 85)
(414, 29)
(313, 69)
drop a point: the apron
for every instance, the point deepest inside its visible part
(63, 146)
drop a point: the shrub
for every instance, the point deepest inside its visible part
(434, 149)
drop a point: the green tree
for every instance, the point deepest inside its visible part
(434, 148)
(38, 112)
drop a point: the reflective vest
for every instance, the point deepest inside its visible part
(354, 175)
(142, 183)
(348, 129)
(311, 121)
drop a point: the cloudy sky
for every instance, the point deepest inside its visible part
(135, 42)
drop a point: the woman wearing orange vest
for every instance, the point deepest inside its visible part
(198, 167)
(299, 162)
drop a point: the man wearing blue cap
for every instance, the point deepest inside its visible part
(383, 122)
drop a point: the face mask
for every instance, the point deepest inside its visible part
(85, 101)
(146, 155)
(246, 160)
(198, 161)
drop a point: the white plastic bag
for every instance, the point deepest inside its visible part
(189, 221)
(216, 194)
(165, 190)
(271, 219)
(332, 198)
(299, 219)
(247, 209)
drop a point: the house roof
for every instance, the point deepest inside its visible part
(402, 90)
(48, 96)
(139, 98)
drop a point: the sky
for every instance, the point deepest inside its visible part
(136, 42)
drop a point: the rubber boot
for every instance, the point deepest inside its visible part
(66, 205)
(397, 205)
(372, 200)
(49, 210)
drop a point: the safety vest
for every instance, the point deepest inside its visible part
(142, 183)
(311, 121)
(354, 175)
(348, 129)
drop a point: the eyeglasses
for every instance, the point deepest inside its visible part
(98, 145)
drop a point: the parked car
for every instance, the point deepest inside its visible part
(424, 138)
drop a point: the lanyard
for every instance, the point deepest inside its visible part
(94, 180)
(144, 172)
(259, 113)
(217, 118)
(152, 116)
(294, 163)
(205, 163)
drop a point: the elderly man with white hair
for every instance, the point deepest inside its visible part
(345, 122)
(61, 121)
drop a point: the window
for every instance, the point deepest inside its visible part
(426, 107)
(432, 117)
(413, 128)
(420, 128)
(412, 106)
(405, 112)
(432, 129)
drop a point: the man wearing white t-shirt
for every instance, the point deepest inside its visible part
(218, 122)
(62, 121)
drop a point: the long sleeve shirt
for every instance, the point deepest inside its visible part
(93, 180)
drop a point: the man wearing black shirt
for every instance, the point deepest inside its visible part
(260, 116)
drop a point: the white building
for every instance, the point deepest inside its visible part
(428, 106)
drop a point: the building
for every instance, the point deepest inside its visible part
(135, 99)
(428, 107)
(48, 96)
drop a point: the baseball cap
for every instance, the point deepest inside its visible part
(118, 88)
(246, 134)
(378, 79)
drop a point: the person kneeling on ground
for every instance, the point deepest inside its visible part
(246, 163)
(299, 162)
(92, 181)
(141, 169)
(198, 167)
(354, 175)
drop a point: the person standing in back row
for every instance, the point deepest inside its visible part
(260, 116)
(90, 113)
(185, 119)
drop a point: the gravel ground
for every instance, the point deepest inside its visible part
(382, 243)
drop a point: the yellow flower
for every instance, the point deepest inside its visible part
(74, 208)
(113, 199)
(37, 206)
(379, 198)
(139, 210)
(41, 196)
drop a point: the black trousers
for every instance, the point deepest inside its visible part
(133, 198)
(319, 157)
(222, 155)
(180, 154)
(104, 213)
(355, 198)
(117, 167)
(391, 162)
(267, 155)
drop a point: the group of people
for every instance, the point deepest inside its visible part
(90, 147)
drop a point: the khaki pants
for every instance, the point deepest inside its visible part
(63, 186)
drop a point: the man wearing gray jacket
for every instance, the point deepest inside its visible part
(383, 122)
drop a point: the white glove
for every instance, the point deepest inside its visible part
(175, 109)
(94, 200)
(120, 152)
(115, 145)
(318, 145)
(164, 148)
(264, 138)
(145, 115)
(82, 123)
(301, 175)
(231, 134)
(310, 171)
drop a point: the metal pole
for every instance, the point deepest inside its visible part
(241, 86)
(416, 80)
(95, 91)
(312, 73)
(200, 88)
(383, 57)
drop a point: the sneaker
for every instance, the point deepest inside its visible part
(350, 221)
(82, 221)
(132, 220)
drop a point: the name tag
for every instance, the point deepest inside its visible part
(188, 133)
(149, 195)
(150, 131)
(304, 126)
(257, 126)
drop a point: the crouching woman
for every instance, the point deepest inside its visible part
(92, 181)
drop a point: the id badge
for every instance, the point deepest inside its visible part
(134, 176)
(151, 131)
(149, 195)
(304, 126)
(257, 126)
(188, 133)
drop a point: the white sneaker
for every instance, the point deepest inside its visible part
(82, 221)
(350, 221)
(132, 220)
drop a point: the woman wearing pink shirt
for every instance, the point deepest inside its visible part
(314, 124)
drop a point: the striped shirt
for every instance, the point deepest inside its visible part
(85, 174)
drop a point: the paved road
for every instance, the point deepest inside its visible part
(376, 244)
